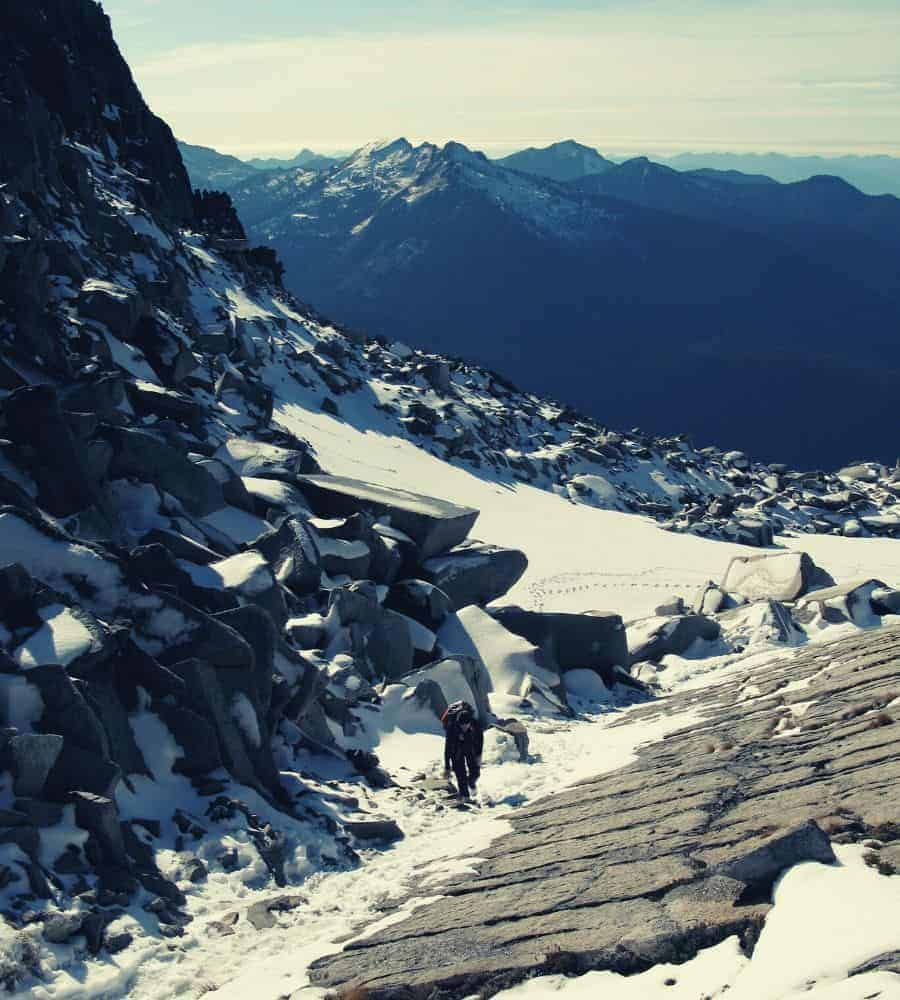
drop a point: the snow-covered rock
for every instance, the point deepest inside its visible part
(783, 576)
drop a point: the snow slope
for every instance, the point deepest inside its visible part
(580, 558)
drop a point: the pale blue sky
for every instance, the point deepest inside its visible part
(259, 77)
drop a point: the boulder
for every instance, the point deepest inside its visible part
(752, 531)
(862, 473)
(118, 942)
(61, 926)
(39, 813)
(400, 548)
(762, 621)
(228, 700)
(710, 599)
(736, 459)
(421, 601)
(99, 816)
(853, 600)
(233, 488)
(195, 737)
(84, 770)
(435, 525)
(200, 636)
(275, 495)
(356, 604)
(383, 830)
(254, 392)
(387, 560)
(389, 647)
(292, 551)
(181, 546)
(247, 576)
(115, 306)
(33, 756)
(260, 631)
(164, 350)
(17, 597)
(760, 861)
(102, 394)
(515, 729)
(782, 576)
(65, 710)
(266, 461)
(428, 694)
(886, 525)
(475, 573)
(148, 399)
(260, 914)
(155, 566)
(459, 678)
(514, 665)
(341, 557)
(69, 636)
(148, 458)
(674, 606)
(425, 646)
(595, 641)
(437, 375)
(308, 632)
(671, 636)
(103, 699)
(60, 462)
(885, 601)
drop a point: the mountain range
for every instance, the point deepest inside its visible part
(872, 174)
(570, 160)
(745, 308)
(212, 170)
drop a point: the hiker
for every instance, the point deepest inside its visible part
(463, 745)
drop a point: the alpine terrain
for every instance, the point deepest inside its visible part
(218, 171)
(252, 555)
(625, 292)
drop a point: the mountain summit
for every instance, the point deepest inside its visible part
(561, 161)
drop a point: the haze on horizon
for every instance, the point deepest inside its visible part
(634, 76)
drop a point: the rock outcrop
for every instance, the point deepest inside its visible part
(674, 853)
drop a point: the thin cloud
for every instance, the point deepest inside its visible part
(742, 72)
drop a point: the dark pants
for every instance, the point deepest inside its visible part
(465, 767)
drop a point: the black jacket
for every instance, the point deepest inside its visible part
(462, 735)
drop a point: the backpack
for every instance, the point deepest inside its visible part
(459, 716)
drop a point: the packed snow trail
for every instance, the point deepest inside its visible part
(272, 963)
